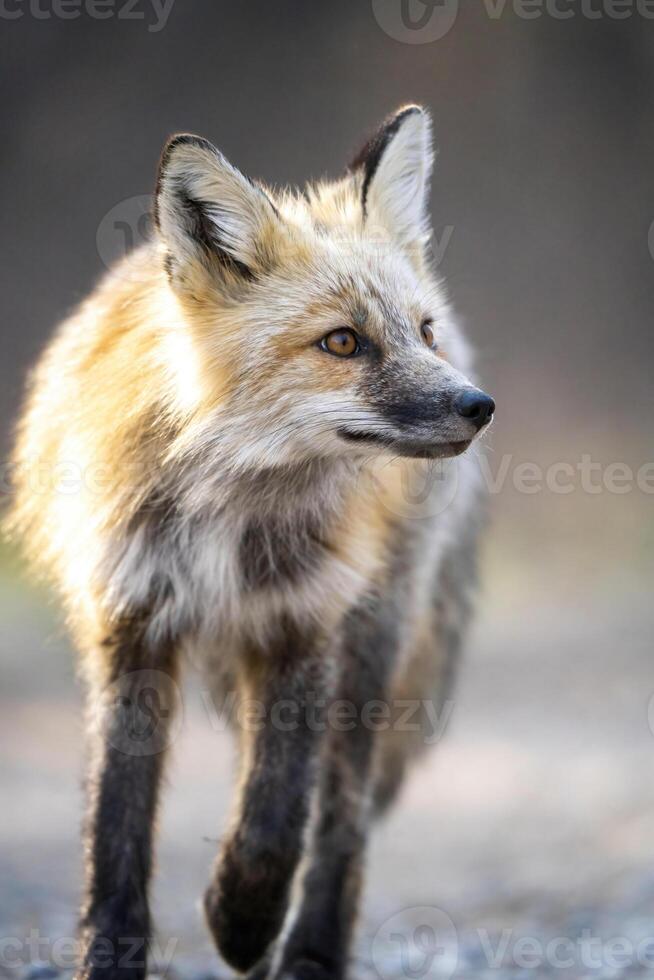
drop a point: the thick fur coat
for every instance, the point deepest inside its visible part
(241, 446)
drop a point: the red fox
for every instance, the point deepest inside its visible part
(232, 401)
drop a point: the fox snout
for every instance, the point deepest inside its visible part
(418, 417)
(475, 406)
(454, 424)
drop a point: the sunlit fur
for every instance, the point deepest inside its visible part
(188, 400)
(145, 390)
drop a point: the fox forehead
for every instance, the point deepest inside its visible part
(340, 280)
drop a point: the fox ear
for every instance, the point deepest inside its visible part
(206, 210)
(395, 168)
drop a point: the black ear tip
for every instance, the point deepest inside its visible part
(411, 109)
(184, 139)
(172, 145)
(375, 145)
(397, 118)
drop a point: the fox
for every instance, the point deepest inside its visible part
(238, 452)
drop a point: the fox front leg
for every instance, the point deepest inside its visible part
(319, 942)
(248, 899)
(134, 706)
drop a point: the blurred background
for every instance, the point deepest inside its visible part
(534, 817)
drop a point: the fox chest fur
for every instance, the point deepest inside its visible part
(306, 544)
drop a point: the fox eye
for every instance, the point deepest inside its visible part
(428, 334)
(342, 343)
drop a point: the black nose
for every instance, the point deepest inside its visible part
(475, 405)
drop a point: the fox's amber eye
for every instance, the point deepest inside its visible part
(342, 343)
(428, 334)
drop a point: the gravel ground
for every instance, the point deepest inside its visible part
(521, 848)
(423, 943)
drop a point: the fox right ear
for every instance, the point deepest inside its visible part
(395, 167)
(208, 211)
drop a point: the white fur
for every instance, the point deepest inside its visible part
(398, 192)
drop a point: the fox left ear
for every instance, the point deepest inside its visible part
(209, 214)
(395, 168)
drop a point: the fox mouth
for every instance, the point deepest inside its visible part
(408, 447)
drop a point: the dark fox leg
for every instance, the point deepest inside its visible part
(247, 902)
(132, 711)
(318, 944)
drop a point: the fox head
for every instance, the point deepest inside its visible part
(317, 324)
